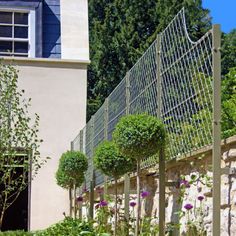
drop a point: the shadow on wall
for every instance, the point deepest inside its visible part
(51, 29)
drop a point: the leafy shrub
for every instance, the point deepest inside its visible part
(139, 135)
(110, 161)
(229, 104)
(66, 181)
(68, 227)
(73, 164)
(70, 173)
(16, 233)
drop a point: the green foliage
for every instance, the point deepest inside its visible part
(102, 217)
(18, 135)
(228, 51)
(68, 227)
(184, 134)
(229, 104)
(73, 164)
(148, 228)
(139, 136)
(70, 173)
(65, 181)
(16, 233)
(109, 160)
(120, 32)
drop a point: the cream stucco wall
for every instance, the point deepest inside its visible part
(74, 29)
(58, 92)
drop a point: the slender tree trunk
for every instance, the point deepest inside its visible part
(138, 200)
(3, 210)
(75, 202)
(70, 199)
(115, 232)
(1, 219)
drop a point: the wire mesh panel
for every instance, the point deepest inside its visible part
(174, 77)
(89, 151)
(186, 88)
(99, 125)
(76, 142)
(116, 106)
(98, 137)
(143, 90)
(143, 83)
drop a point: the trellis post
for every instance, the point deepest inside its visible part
(216, 157)
(74, 206)
(81, 150)
(71, 195)
(106, 138)
(161, 153)
(91, 194)
(127, 177)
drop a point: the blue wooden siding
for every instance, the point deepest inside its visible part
(51, 29)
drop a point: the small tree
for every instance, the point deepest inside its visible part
(19, 142)
(70, 173)
(139, 136)
(67, 182)
(112, 163)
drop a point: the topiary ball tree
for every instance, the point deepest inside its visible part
(65, 181)
(74, 164)
(139, 136)
(70, 173)
(112, 163)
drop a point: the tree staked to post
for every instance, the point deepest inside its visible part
(139, 136)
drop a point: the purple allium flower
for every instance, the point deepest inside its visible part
(200, 198)
(85, 190)
(79, 199)
(145, 194)
(132, 204)
(188, 206)
(103, 203)
(184, 183)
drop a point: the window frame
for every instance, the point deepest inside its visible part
(31, 30)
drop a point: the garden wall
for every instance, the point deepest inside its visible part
(196, 175)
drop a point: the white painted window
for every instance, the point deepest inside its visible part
(17, 32)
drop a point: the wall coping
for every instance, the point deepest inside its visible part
(152, 170)
(46, 62)
(202, 151)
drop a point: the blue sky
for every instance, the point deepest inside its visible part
(223, 12)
